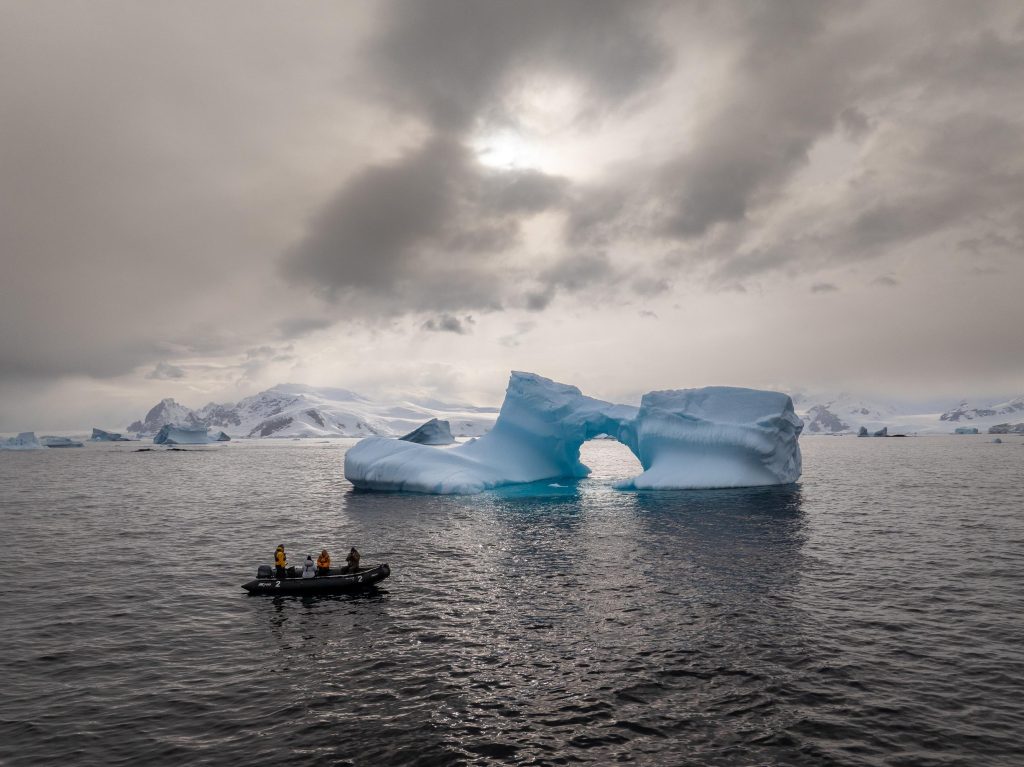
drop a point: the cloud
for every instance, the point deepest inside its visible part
(447, 323)
(297, 327)
(885, 280)
(421, 233)
(165, 372)
(456, 63)
(823, 287)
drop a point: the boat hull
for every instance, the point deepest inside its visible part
(326, 584)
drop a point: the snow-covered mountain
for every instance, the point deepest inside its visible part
(845, 414)
(841, 413)
(965, 411)
(294, 410)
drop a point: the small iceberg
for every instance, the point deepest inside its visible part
(99, 435)
(51, 441)
(24, 441)
(433, 432)
(965, 430)
(186, 435)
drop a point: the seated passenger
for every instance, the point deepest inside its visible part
(353, 560)
(323, 563)
(308, 569)
(280, 562)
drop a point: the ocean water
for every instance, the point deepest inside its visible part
(872, 614)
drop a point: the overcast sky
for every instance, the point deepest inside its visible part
(203, 199)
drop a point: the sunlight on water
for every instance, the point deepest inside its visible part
(869, 615)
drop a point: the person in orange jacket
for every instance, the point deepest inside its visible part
(323, 563)
(280, 562)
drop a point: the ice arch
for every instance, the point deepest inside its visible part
(714, 437)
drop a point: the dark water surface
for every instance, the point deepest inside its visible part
(871, 615)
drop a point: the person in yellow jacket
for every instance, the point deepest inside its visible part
(323, 563)
(280, 562)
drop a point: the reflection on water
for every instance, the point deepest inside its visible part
(557, 622)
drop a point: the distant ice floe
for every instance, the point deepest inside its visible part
(24, 441)
(694, 438)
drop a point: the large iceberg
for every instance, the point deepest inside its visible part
(697, 438)
(719, 436)
(24, 441)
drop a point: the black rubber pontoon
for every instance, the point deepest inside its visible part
(335, 583)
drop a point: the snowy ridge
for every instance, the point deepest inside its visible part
(295, 410)
(846, 414)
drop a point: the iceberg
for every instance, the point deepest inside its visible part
(695, 438)
(433, 432)
(50, 441)
(966, 430)
(184, 435)
(24, 441)
(99, 435)
(719, 436)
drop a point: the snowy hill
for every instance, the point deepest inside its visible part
(294, 410)
(845, 414)
(841, 413)
(964, 412)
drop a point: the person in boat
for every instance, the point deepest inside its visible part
(308, 568)
(323, 563)
(280, 562)
(353, 560)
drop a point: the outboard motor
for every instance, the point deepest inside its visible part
(265, 571)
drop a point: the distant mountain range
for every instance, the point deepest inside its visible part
(845, 414)
(294, 410)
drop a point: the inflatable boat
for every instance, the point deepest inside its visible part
(339, 581)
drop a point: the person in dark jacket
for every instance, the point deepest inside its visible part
(353, 560)
(280, 562)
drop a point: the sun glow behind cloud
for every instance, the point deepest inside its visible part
(510, 150)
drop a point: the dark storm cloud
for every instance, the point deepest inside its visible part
(452, 61)
(791, 82)
(157, 181)
(426, 232)
(421, 233)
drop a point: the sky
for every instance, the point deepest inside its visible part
(200, 200)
